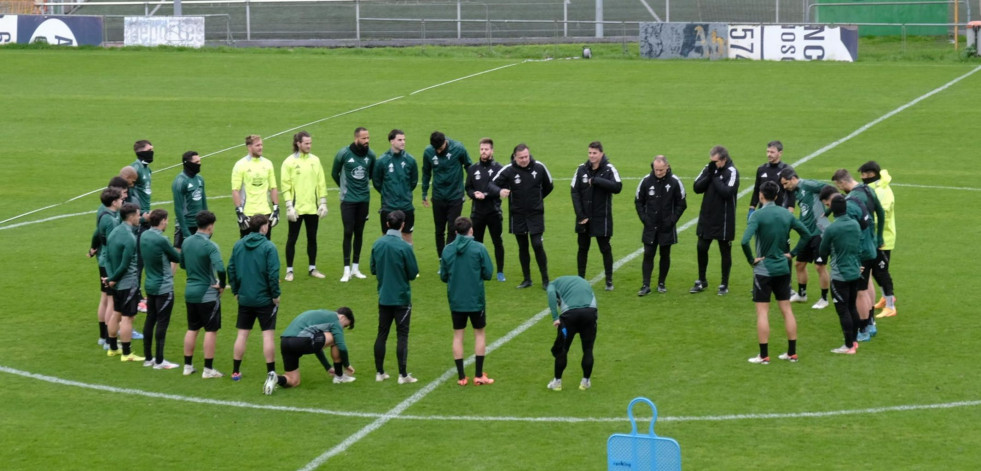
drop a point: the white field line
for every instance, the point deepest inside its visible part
(472, 418)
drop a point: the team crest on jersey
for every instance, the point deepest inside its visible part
(585, 178)
(517, 179)
(435, 160)
(391, 168)
(650, 191)
(358, 173)
(534, 173)
(476, 176)
(403, 164)
(667, 187)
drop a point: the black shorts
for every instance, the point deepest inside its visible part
(104, 285)
(410, 221)
(266, 315)
(204, 315)
(179, 236)
(778, 285)
(809, 253)
(867, 266)
(478, 319)
(126, 302)
(292, 348)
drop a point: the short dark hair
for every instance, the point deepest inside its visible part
(841, 175)
(437, 139)
(256, 222)
(827, 192)
(109, 195)
(720, 151)
(487, 140)
(205, 218)
(252, 138)
(128, 210)
(871, 166)
(788, 173)
(140, 144)
(118, 182)
(394, 133)
(596, 145)
(358, 130)
(348, 313)
(188, 156)
(395, 219)
(838, 205)
(462, 225)
(776, 145)
(518, 148)
(770, 190)
(157, 216)
(299, 137)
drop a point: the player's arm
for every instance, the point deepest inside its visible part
(747, 238)
(335, 170)
(728, 186)
(805, 236)
(547, 184)
(427, 171)
(612, 184)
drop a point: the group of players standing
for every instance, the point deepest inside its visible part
(130, 243)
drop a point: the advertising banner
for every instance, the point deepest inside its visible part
(185, 31)
(57, 30)
(793, 43)
(683, 40)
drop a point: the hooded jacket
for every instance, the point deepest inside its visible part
(253, 271)
(888, 202)
(717, 218)
(479, 177)
(529, 186)
(464, 266)
(660, 202)
(394, 263)
(592, 197)
(395, 176)
(445, 171)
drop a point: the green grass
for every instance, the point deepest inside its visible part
(70, 119)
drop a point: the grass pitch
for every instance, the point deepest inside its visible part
(908, 400)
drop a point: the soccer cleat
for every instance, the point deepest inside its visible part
(790, 358)
(344, 378)
(357, 274)
(555, 384)
(661, 288)
(137, 335)
(872, 330)
(797, 298)
(149, 362)
(821, 304)
(609, 286)
(165, 365)
(381, 377)
(644, 291)
(102, 341)
(698, 287)
(881, 304)
(105, 346)
(545, 284)
(270, 384)
(346, 276)
(500, 276)
(482, 380)
(131, 357)
(524, 284)
(585, 384)
(316, 273)
(209, 373)
(759, 360)
(845, 350)
(141, 307)
(189, 370)
(723, 290)
(113, 353)
(462, 381)
(289, 276)
(886, 312)
(236, 376)
(408, 378)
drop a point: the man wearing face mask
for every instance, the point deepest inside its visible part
(144, 157)
(189, 198)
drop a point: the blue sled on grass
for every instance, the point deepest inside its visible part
(638, 452)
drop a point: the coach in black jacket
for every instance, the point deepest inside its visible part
(526, 182)
(719, 182)
(593, 187)
(660, 202)
(486, 210)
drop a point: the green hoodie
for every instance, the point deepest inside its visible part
(888, 202)
(464, 266)
(842, 241)
(253, 271)
(121, 257)
(569, 292)
(201, 259)
(771, 225)
(395, 176)
(157, 254)
(446, 171)
(394, 263)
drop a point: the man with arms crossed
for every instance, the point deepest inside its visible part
(486, 209)
(593, 187)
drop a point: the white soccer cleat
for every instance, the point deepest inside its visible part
(820, 304)
(585, 384)
(149, 362)
(555, 384)
(797, 298)
(758, 360)
(357, 274)
(270, 385)
(381, 377)
(209, 373)
(189, 370)
(347, 275)
(316, 274)
(345, 378)
(165, 365)
(408, 378)
(289, 276)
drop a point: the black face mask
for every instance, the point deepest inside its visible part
(191, 168)
(867, 180)
(145, 156)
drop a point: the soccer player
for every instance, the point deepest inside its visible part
(106, 220)
(593, 187)
(878, 179)
(394, 264)
(573, 306)
(395, 176)
(525, 182)
(660, 202)
(485, 212)
(770, 172)
(201, 258)
(190, 197)
(144, 157)
(304, 189)
(719, 182)
(158, 258)
(313, 332)
(352, 173)
(464, 266)
(771, 226)
(841, 242)
(253, 275)
(122, 276)
(807, 194)
(444, 162)
(254, 187)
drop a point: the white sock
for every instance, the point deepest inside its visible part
(289, 269)
(354, 267)
(312, 268)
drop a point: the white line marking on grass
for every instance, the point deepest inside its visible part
(472, 418)
(466, 77)
(83, 213)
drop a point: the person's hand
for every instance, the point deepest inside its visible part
(274, 219)
(112, 284)
(243, 220)
(758, 260)
(321, 209)
(425, 202)
(92, 252)
(349, 369)
(291, 215)
(505, 193)
(750, 213)
(556, 322)
(584, 221)
(276, 301)
(789, 257)
(479, 195)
